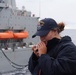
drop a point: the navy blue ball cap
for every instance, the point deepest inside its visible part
(44, 26)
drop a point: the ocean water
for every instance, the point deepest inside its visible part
(71, 33)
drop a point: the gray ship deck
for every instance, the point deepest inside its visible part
(19, 56)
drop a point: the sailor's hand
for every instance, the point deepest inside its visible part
(42, 49)
(35, 50)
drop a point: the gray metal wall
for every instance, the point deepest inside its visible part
(13, 19)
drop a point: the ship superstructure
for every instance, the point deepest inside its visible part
(16, 22)
(16, 30)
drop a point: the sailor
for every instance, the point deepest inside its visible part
(54, 55)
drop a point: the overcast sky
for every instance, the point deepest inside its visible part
(60, 10)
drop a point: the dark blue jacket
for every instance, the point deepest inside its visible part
(59, 60)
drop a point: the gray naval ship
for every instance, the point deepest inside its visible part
(16, 30)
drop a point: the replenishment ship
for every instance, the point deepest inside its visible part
(16, 30)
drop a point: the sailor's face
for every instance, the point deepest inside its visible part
(48, 37)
